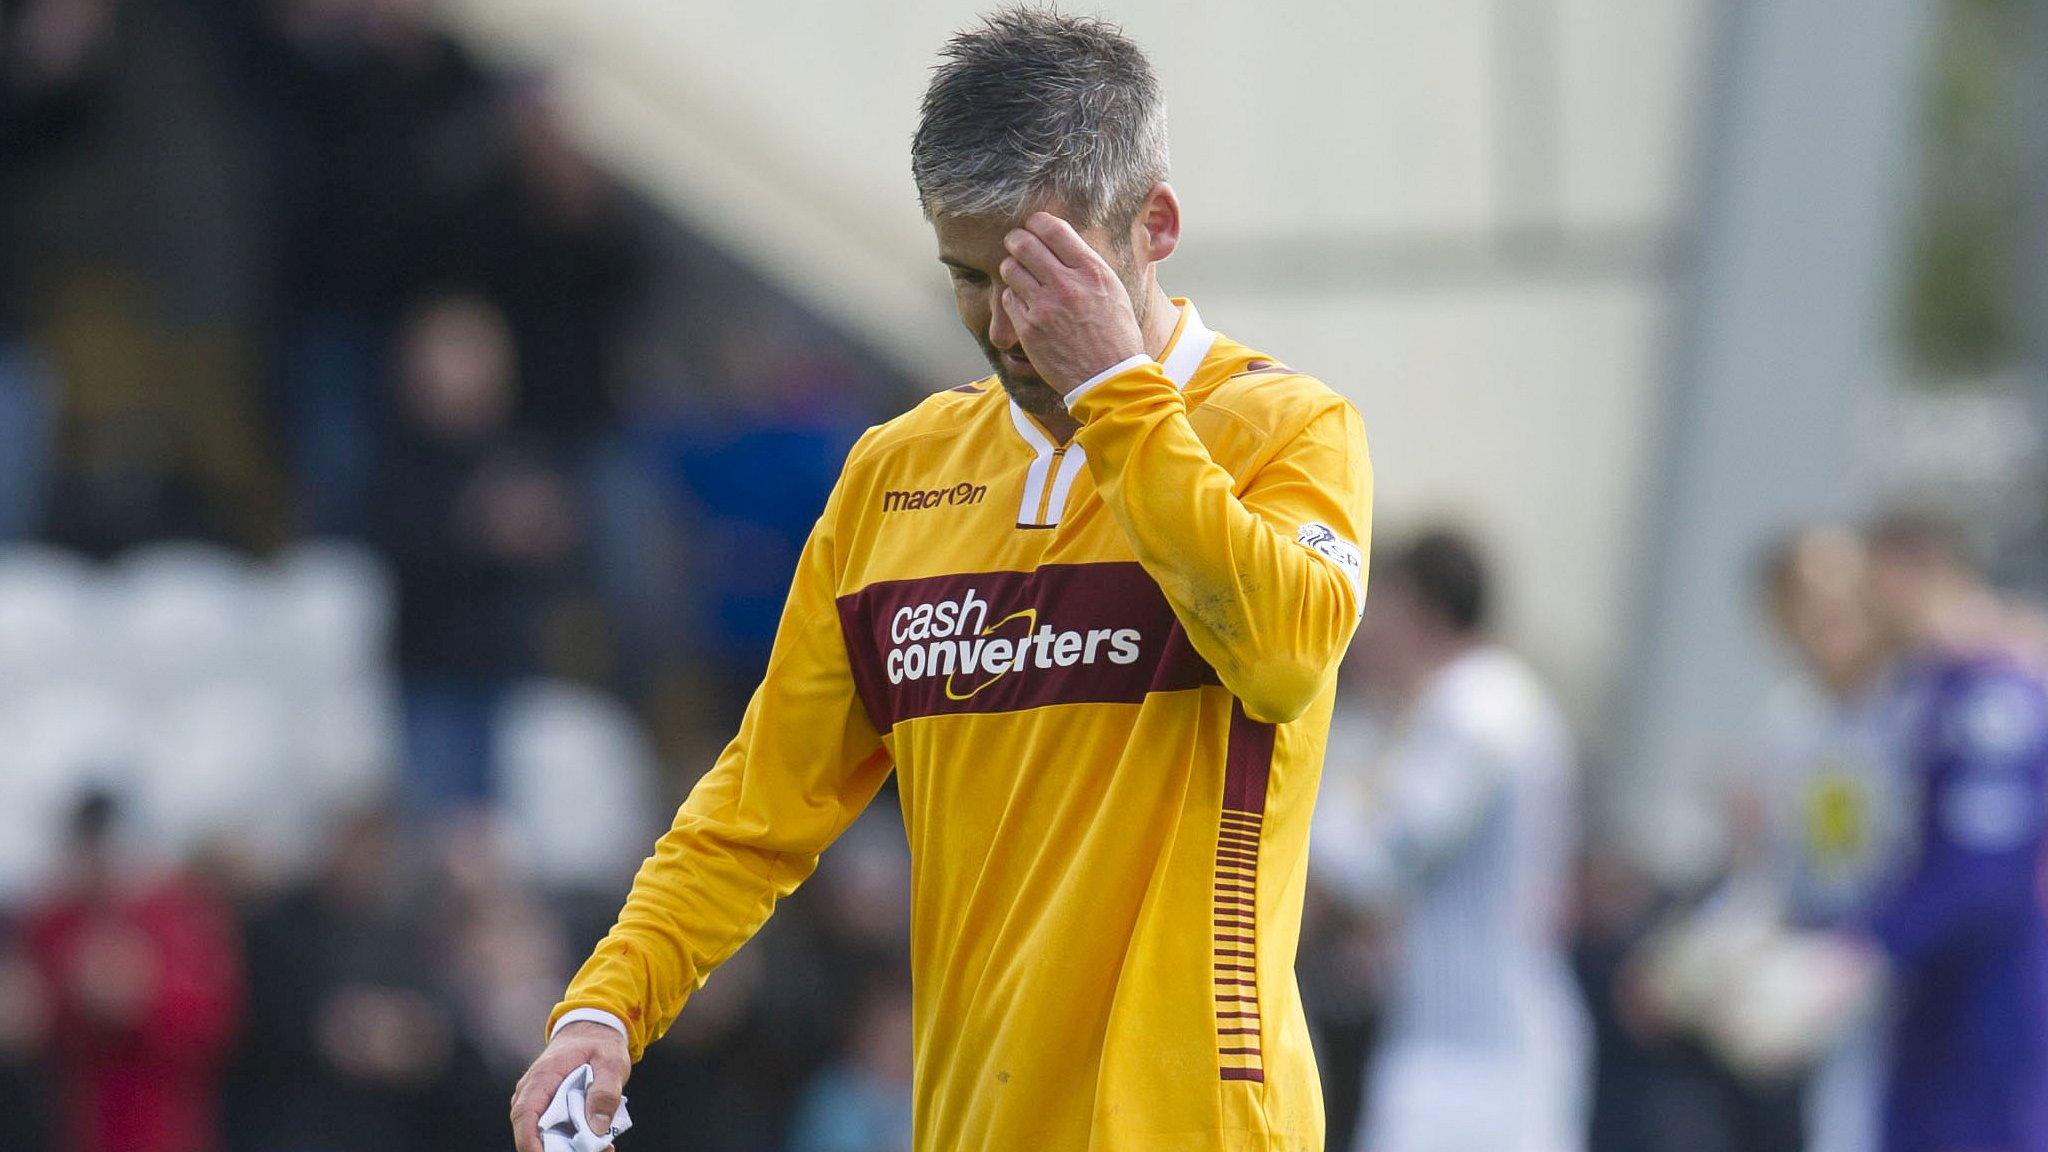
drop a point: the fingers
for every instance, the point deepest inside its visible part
(607, 1082)
(526, 1128)
(1060, 239)
(531, 1097)
(1015, 308)
(1028, 250)
(1017, 277)
(535, 1089)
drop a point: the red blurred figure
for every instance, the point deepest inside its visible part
(143, 977)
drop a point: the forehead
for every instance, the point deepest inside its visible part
(969, 238)
(978, 240)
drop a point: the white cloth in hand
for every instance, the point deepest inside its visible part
(565, 1128)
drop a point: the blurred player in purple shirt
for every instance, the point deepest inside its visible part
(1963, 923)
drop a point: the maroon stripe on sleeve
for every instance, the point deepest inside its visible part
(1247, 765)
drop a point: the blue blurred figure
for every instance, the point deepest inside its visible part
(750, 475)
(1963, 923)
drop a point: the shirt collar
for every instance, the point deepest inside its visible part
(1187, 347)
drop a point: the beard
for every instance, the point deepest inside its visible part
(1030, 390)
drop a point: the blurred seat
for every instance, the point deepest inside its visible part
(51, 616)
(332, 608)
(217, 759)
(184, 613)
(345, 740)
(576, 779)
(58, 739)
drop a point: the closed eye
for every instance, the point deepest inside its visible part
(963, 274)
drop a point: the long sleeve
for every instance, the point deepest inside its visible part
(805, 763)
(1269, 581)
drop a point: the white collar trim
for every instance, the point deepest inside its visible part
(1057, 469)
(1189, 349)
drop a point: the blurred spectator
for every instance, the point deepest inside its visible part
(503, 955)
(1459, 821)
(375, 122)
(507, 952)
(1828, 797)
(477, 524)
(1963, 923)
(350, 1047)
(126, 156)
(129, 216)
(548, 238)
(861, 1102)
(143, 980)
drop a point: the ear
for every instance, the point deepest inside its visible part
(1155, 233)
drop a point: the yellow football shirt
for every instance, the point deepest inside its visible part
(1102, 673)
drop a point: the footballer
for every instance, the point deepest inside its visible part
(1089, 611)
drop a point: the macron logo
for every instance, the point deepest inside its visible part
(912, 499)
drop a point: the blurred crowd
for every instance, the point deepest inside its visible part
(316, 331)
(300, 287)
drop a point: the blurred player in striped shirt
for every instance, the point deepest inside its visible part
(1450, 811)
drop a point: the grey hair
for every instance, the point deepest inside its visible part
(1034, 107)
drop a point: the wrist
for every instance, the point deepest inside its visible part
(596, 1017)
(1074, 394)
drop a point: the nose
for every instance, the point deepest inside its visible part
(1001, 332)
